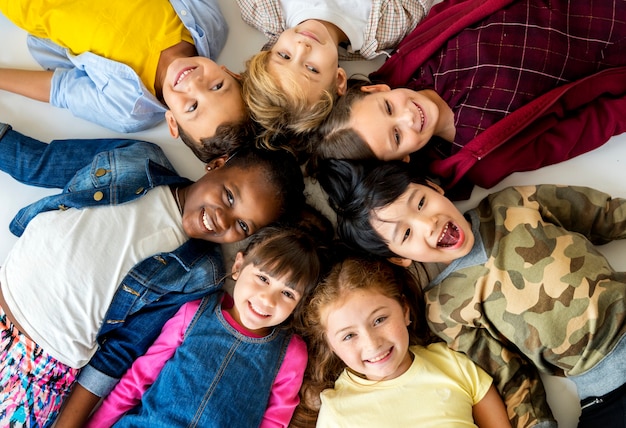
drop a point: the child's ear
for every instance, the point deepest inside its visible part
(216, 163)
(237, 265)
(232, 73)
(381, 87)
(342, 81)
(171, 124)
(400, 261)
(407, 314)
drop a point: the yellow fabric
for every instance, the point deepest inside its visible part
(133, 33)
(438, 390)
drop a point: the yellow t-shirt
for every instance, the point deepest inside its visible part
(133, 33)
(438, 390)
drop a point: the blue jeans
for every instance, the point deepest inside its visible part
(52, 165)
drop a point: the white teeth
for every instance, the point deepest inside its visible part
(255, 309)
(421, 113)
(183, 74)
(421, 118)
(443, 233)
(206, 222)
(380, 357)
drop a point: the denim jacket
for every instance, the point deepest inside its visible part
(105, 172)
(221, 377)
(110, 93)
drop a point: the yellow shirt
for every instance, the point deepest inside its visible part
(438, 390)
(130, 32)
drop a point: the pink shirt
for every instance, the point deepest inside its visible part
(144, 371)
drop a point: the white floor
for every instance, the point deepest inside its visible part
(604, 168)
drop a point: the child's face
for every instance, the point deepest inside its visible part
(228, 205)
(394, 123)
(200, 95)
(368, 331)
(261, 301)
(425, 226)
(307, 55)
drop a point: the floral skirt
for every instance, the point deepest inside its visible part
(32, 383)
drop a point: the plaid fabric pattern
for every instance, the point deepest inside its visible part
(33, 384)
(520, 52)
(389, 22)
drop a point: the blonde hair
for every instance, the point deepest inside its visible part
(352, 273)
(282, 110)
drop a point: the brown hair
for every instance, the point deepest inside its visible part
(335, 138)
(352, 273)
(227, 139)
(290, 252)
(282, 110)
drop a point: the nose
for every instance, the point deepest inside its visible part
(372, 341)
(302, 46)
(222, 219)
(406, 117)
(423, 223)
(198, 82)
(430, 225)
(267, 298)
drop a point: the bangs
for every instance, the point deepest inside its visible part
(295, 264)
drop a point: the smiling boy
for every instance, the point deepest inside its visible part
(292, 84)
(522, 287)
(110, 67)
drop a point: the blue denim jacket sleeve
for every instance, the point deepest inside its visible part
(111, 93)
(148, 296)
(113, 177)
(53, 165)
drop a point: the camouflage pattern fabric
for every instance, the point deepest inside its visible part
(545, 299)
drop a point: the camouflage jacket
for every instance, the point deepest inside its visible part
(534, 294)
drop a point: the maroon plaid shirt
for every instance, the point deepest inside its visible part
(506, 60)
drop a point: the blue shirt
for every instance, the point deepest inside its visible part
(218, 377)
(109, 172)
(110, 93)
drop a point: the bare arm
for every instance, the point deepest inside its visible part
(33, 84)
(77, 408)
(490, 411)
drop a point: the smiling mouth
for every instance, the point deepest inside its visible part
(309, 35)
(421, 113)
(184, 74)
(257, 310)
(380, 357)
(206, 221)
(450, 236)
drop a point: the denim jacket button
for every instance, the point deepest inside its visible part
(100, 172)
(139, 190)
(98, 196)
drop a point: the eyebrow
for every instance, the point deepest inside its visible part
(350, 327)
(239, 200)
(414, 193)
(280, 61)
(289, 284)
(390, 141)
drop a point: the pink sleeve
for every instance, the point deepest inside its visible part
(284, 395)
(131, 387)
